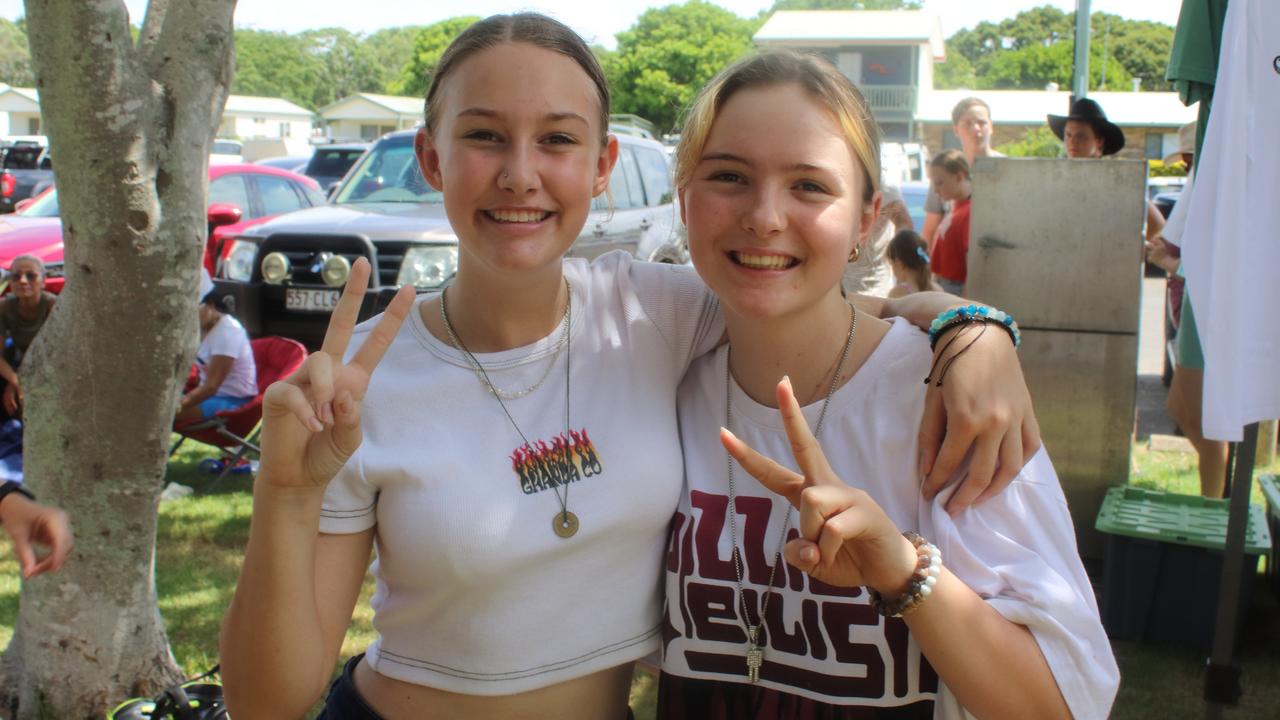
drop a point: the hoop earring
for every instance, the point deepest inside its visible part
(853, 257)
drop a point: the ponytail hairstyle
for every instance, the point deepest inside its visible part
(910, 251)
(527, 27)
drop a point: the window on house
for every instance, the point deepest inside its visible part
(286, 129)
(1154, 149)
(368, 132)
(33, 126)
(259, 121)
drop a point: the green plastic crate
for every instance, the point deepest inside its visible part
(1180, 519)
(1270, 485)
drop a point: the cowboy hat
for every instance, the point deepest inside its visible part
(1086, 110)
(1186, 144)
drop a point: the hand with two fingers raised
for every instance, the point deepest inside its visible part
(846, 539)
(311, 420)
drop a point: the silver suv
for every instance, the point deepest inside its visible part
(285, 275)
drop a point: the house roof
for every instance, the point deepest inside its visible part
(1030, 107)
(252, 105)
(835, 27)
(405, 106)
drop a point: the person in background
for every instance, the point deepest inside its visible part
(228, 377)
(971, 122)
(909, 259)
(28, 523)
(1186, 390)
(22, 314)
(868, 272)
(949, 178)
(1087, 134)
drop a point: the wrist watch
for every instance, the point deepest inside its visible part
(11, 486)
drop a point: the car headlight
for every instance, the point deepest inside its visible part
(275, 268)
(335, 271)
(238, 265)
(428, 266)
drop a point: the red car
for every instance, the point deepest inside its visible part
(240, 196)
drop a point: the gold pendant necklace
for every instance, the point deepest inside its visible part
(755, 653)
(563, 523)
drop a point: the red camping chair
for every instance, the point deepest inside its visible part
(236, 430)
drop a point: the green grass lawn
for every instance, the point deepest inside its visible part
(201, 538)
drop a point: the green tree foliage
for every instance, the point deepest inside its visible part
(428, 46)
(344, 62)
(669, 53)
(390, 49)
(845, 5)
(15, 58)
(276, 64)
(1038, 142)
(1036, 47)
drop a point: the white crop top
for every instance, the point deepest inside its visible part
(475, 592)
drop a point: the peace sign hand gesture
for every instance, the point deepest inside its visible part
(311, 420)
(845, 537)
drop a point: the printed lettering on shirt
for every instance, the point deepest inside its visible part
(542, 466)
(807, 623)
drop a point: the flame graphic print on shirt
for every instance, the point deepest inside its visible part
(542, 466)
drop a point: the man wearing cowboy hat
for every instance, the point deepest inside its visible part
(1086, 132)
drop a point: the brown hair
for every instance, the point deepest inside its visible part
(953, 161)
(911, 251)
(532, 28)
(779, 67)
(965, 105)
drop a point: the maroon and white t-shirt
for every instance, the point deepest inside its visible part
(827, 654)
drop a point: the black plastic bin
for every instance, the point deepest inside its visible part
(1163, 565)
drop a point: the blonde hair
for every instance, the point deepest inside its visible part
(780, 67)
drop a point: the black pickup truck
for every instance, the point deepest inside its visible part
(25, 171)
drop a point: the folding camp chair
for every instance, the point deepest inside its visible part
(235, 431)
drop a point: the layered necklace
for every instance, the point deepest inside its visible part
(564, 523)
(755, 654)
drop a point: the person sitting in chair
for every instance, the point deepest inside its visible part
(22, 314)
(224, 362)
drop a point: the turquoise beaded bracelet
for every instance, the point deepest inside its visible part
(971, 314)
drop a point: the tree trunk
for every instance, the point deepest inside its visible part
(131, 126)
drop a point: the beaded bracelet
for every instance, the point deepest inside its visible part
(928, 568)
(973, 314)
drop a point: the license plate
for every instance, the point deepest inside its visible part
(310, 300)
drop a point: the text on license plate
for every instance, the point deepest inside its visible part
(310, 300)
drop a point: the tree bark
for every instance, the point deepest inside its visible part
(131, 127)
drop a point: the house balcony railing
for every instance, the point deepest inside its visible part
(890, 98)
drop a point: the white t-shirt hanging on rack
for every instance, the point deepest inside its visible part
(1231, 242)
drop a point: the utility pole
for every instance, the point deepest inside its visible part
(1080, 73)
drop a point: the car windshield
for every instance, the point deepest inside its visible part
(44, 206)
(388, 173)
(333, 162)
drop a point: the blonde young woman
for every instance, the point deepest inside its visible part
(515, 459)
(990, 609)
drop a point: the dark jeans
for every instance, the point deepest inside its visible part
(345, 703)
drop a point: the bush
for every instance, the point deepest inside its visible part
(1038, 142)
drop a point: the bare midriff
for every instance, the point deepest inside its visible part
(602, 695)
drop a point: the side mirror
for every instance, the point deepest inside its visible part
(223, 214)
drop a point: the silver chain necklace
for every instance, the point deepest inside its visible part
(483, 376)
(755, 654)
(565, 523)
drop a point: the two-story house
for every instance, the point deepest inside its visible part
(889, 55)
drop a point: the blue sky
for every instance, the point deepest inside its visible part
(596, 21)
